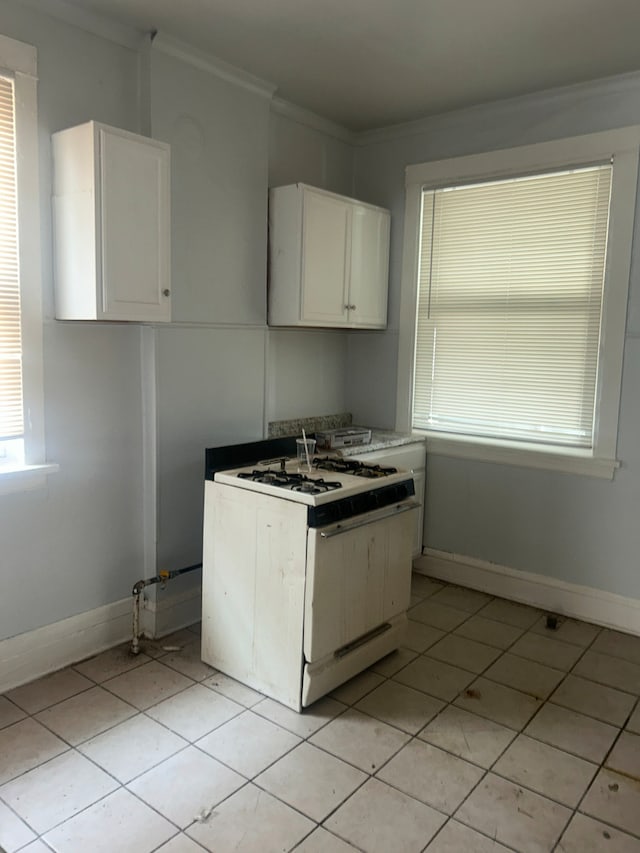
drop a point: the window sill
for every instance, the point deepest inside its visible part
(563, 459)
(25, 478)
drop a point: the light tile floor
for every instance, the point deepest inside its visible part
(488, 732)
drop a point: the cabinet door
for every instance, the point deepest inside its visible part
(325, 244)
(369, 267)
(134, 229)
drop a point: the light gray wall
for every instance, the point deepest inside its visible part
(573, 528)
(76, 544)
(215, 373)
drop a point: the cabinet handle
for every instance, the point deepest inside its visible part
(166, 292)
(350, 307)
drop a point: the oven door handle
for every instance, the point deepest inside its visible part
(396, 510)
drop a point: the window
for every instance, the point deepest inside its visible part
(22, 452)
(514, 302)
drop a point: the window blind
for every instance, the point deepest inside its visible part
(11, 419)
(510, 289)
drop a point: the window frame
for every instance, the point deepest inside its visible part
(20, 61)
(623, 145)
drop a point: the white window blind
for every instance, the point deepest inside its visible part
(11, 422)
(510, 296)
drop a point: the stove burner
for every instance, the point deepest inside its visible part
(315, 487)
(353, 467)
(292, 481)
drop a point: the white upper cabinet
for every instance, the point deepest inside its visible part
(329, 260)
(112, 225)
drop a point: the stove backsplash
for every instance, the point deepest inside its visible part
(294, 426)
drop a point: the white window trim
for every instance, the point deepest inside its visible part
(624, 146)
(21, 60)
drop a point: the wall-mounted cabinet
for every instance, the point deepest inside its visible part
(329, 260)
(111, 204)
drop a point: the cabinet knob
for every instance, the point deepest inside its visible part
(166, 292)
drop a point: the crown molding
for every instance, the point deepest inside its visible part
(209, 63)
(619, 84)
(89, 21)
(313, 120)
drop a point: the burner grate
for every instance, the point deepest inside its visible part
(353, 467)
(292, 481)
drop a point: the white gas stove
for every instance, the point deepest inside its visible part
(306, 575)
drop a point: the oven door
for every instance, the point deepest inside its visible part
(358, 579)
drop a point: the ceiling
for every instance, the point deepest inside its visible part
(371, 63)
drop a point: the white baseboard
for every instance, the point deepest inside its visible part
(159, 617)
(35, 653)
(549, 594)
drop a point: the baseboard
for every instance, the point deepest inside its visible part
(549, 594)
(159, 617)
(36, 653)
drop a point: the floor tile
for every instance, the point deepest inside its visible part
(378, 819)
(529, 677)
(424, 586)
(625, 756)
(568, 630)
(233, 689)
(194, 712)
(633, 723)
(618, 645)
(583, 736)
(14, 833)
(9, 713)
(595, 700)
(108, 664)
(360, 740)
(462, 598)
(305, 724)
(456, 838)
(353, 690)
(393, 663)
(499, 703)
(36, 695)
(35, 847)
(321, 841)
(435, 678)
(173, 642)
(24, 745)
(248, 743)
(612, 671)
(186, 786)
(148, 684)
(118, 822)
(400, 706)
(465, 653)
(470, 737)
(613, 799)
(490, 632)
(419, 637)
(430, 775)
(546, 650)
(188, 661)
(517, 615)
(85, 715)
(57, 790)
(249, 821)
(132, 747)
(180, 843)
(585, 835)
(438, 615)
(514, 816)
(311, 781)
(547, 770)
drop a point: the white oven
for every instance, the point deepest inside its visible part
(304, 589)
